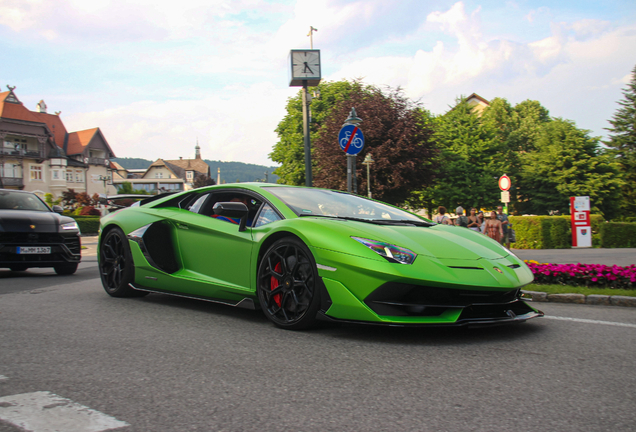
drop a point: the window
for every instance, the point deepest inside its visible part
(268, 215)
(79, 176)
(189, 175)
(159, 174)
(69, 176)
(36, 172)
(55, 174)
(170, 186)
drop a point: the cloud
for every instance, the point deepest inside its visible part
(157, 75)
(235, 124)
(467, 61)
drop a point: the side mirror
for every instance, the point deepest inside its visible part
(58, 209)
(233, 210)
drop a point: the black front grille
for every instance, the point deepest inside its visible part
(64, 248)
(397, 299)
(30, 237)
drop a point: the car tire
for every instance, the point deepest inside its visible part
(65, 269)
(18, 268)
(116, 267)
(288, 285)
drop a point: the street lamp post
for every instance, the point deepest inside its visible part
(368, 160)
(104, 180)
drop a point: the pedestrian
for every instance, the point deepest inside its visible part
(462, 220)
(493, 227)
(482, 222)
(505, 239)
(473, 221)
(442, 218)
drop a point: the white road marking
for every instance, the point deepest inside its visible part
(2, 377)
(47, 412)
(589, 321)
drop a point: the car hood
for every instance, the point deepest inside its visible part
(439, 241)
(31, 221)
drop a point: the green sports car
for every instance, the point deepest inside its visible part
(305, 254)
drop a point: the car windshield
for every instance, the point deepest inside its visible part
(322, 202)
(21, 201)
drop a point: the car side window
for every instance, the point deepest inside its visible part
(196, 207)
(267, 215)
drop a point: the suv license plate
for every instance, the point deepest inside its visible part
(24, 250)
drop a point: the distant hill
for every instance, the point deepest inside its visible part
(230, 171)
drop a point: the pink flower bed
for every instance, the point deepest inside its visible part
(592, 275)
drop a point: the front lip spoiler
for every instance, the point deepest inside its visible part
(468, 322)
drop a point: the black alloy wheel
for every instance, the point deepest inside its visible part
(287, 285)
(116, 266)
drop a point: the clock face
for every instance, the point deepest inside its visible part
(305, 64)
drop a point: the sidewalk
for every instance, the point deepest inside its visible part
(622, 257)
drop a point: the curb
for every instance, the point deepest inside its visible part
(592, 299)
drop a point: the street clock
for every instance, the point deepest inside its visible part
(304, 66)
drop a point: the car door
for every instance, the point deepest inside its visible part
(213, 250)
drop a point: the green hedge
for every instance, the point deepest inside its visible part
(87, 224)
(618, 235)
(550, 232)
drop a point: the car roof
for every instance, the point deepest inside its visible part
(18, 191)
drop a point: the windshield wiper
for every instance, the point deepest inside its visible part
(373, 221)
(403, 222)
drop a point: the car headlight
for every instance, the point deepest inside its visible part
(389, 251)
(70, 226)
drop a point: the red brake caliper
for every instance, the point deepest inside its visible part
(274, 284)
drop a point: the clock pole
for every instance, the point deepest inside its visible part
(305, 72)
(306, 133)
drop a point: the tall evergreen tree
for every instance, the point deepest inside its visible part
(622, 143)
(470, 161)
(567, 162)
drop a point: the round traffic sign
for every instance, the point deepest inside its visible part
(504, 182)
(351, 139)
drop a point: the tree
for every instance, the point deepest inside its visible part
(568, 162)
(514, 131)
(471, 159)
(531, 116)
(622, 143)
(203, 180)
(126, 188)
(68, 197)
(48, 198)
(83, 199)
(289, 151)
(398, 135)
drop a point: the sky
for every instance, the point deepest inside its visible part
(157, 77)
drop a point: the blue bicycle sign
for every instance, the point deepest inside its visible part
(351, 139)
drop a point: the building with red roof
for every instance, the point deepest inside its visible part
(38, 154)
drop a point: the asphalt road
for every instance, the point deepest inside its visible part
(167, 364)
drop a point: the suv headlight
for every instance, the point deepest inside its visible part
(389, 251)
(70, 226)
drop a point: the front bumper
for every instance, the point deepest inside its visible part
(65, 248)
(435, 292)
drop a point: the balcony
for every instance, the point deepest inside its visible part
(21, 152)
(12, 181)
(97, 161)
